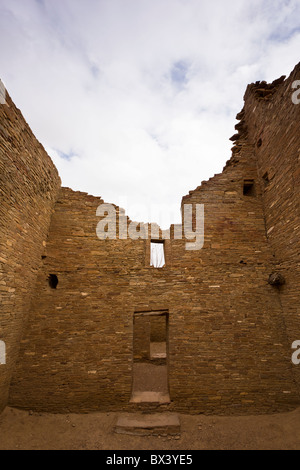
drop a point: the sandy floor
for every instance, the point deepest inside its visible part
(23, 430)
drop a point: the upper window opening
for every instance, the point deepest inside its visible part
(157, 254)
(259, 143)
(53, 281)
(249, 188)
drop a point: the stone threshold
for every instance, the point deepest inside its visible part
(157, 424)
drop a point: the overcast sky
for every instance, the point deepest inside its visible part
(135, 100)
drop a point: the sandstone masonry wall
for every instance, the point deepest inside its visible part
(227, 345)
(229, 330)
(29, 183)
(273, 129)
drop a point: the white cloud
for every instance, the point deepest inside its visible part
(141, 94)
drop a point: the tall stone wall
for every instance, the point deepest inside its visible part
(29, 184)
(232, 328)
(77, 351)
(273, 119)
(227, 345)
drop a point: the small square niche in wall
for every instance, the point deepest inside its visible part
(53, 281)
(249, 188)
(157, 254)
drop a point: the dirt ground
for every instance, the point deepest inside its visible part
(27, 430)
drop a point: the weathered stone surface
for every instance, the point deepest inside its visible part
(29, 185)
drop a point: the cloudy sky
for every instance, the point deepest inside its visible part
(135, 100)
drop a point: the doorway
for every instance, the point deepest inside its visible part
(150, 357)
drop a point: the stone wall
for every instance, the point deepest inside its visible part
(141, 338)
(29, 184)
(273, 129)
(158, 329)
(228, 351)
(229, 330)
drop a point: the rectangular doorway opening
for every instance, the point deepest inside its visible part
(150, 357)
